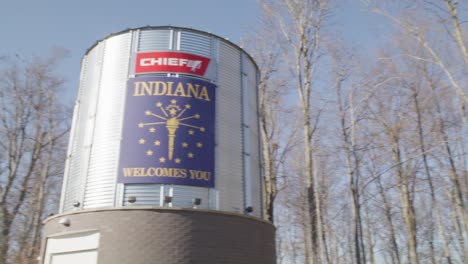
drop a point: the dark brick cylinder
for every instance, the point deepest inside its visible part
(169, 236)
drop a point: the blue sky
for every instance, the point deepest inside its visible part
(34, 27)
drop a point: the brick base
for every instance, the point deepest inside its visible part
(171, 236)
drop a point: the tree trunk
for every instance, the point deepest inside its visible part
(435, 204)
(4, 233)
(369, 240)
(388, 217)
(457, 194)
(352, 169)
(409, 214)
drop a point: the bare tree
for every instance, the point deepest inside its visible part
(277, 132)
(382, 177)
(32, 124)
(442, 20)
(299, 24)
(457, 195)
(348, 116)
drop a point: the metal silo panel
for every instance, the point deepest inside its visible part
(254, 140)
(195, 43)
(83, 129)
(199, 44)
(101, 181)
(229, 134)
(183, 196)
(145, 194)
(251, 71)
(212, 71)
(153, 40)
(256, 188)
(68, 161)
(255, 173)
(135, 36)
(69, 185)
(256, 181)
(252, 180)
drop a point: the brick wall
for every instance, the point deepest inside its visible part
(170, 236)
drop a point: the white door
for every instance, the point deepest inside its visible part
(76, 248)
(85, 257)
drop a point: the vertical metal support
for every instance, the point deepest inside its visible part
(213, 196)
(161, 195)
(177, 37)
(171, 194)
(247, 177)
(214, 193)
(119, 194)
(135, 42)
(171, 39)
(259, 145)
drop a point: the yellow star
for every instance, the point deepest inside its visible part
(147, 112)
(177, 160)
(185, 144)
(157, 143)
(191, 132)
(188, 106)
(190, 155)
(202, 129)
(152, 130)
(149, 153)
(140, 125)
(173, 101)
(172, 112)
(162, 160)
(197, 116)
(158, 104)
(199, 144)
(141, 141)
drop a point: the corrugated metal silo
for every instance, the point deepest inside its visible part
(91, 177)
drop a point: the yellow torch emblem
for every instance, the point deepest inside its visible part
(173, 118)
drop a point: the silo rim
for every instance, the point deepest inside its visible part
(173, 27)
(158, 209)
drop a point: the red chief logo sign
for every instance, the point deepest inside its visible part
(175, 62)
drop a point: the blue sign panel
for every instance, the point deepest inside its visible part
(168, 132)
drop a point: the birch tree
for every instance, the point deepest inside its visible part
(440, 19)
(299, 32)
(348, 119)
(380, 174)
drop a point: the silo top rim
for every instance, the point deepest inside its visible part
(173, 27)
